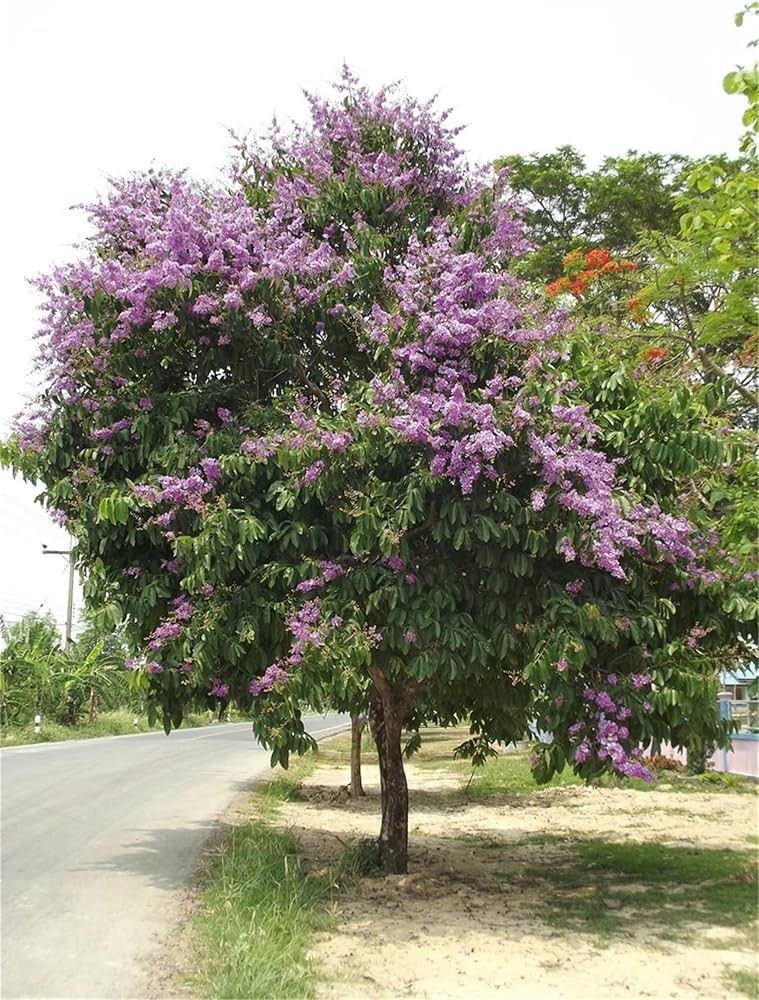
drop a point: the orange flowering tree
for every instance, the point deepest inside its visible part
(584, 272)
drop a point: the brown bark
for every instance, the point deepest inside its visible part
(387, 715)
(357, 728)
(93, 712)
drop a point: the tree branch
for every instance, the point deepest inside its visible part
(707, 362)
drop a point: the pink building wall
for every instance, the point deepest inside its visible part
(742, 759)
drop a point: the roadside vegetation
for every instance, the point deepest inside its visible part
(119, 722)
(261, 903)
(80, 692)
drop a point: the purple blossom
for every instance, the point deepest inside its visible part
(567, 550)
(273, 676)
(313, 472)
(640, 680)
(604, 702)
(218, 688)
(212, 469)
(331, 570)
(163, 633)
(394, 563)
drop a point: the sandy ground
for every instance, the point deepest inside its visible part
(470, 920)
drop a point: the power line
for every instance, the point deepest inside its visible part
(27, 536)
(18, 607)
(11, 499)
(44, 522)
(15, 619)
(26, 508)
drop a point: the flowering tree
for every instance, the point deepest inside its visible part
(317, 440)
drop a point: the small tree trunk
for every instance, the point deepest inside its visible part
(72, 711)
(357, 728)
(93, 713)
(699, 756)
(387, 714)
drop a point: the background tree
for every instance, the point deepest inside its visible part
(311, 432)
(27, 664)
(38, 676)
(569, 206)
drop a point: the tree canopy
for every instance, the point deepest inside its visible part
(313, 434)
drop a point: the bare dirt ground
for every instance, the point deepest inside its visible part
(496, 903)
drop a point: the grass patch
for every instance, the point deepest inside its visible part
(116, 723)
(510, 772)
(338, 748)
(285, 787)
(601, 887)
(743, 981)
(259, 910)
(260, 905)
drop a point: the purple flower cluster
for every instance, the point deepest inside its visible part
(218, 688)
(602, 732)
(329, 571)
(163, 633)
(272, 676)
(187, 491)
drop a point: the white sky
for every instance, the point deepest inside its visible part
(95, 88)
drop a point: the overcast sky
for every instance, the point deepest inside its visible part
(95, 89)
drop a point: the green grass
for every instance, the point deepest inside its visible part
(117, 723)
(510, 773)
(259, 910)
(260, 906)
(605, 888)
(743, 981)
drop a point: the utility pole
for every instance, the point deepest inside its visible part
(70, 600)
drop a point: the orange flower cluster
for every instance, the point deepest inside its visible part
(653, 355)
(637, 310)
(583, 268)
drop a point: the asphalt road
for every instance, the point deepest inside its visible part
(97, 837)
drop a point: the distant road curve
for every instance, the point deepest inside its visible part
(97, 836)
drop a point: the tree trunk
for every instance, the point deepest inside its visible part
(357, 728)
(387, 714)
(93, 713)
(698, 757)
